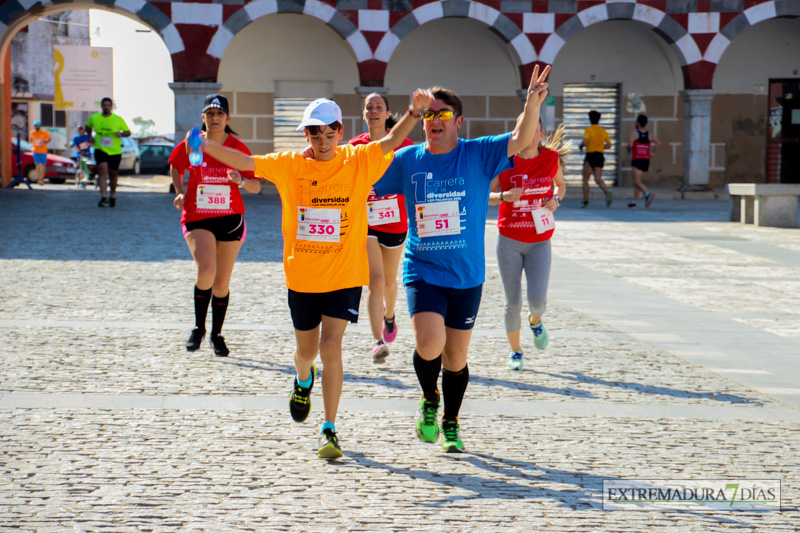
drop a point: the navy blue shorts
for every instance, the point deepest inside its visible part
(307, 308)
(459, 307)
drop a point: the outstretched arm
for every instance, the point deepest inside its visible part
(229, 156)
(420, 100)
(522, 136)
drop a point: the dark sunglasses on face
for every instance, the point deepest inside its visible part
(443, 114)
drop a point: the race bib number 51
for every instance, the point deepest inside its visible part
(322, 225)
(438, 218)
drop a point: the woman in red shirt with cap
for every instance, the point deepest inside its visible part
(212, 217)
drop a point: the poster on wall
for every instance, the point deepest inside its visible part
(83, 76)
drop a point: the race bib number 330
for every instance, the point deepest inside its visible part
(437, 218)
(322, 225)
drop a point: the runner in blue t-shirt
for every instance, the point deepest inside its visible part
(82, 143)
(446, 185)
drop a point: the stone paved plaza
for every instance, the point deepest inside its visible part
(674, 353)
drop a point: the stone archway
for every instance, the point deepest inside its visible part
(15, 17)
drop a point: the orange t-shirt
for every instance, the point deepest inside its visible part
(325, 214)
(39, 141)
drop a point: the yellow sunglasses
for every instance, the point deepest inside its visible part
(443, 114)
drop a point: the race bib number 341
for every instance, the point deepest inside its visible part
(322, 225)
(383, 212)
(438, 218)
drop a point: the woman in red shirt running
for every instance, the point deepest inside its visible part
(528, 195)
(212, 217)
(388, 227)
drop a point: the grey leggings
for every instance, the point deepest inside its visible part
(512, 258)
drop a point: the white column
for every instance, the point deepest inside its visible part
(189, 98)
(696, 138)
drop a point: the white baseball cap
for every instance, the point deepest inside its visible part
(321, 112)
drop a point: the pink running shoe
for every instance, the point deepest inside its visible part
(380, 352)
(389, 329)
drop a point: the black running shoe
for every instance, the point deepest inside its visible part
(112, 202)
(329, 445)
(102, 203)
(300, 399)
(195, 339)
(218, 345)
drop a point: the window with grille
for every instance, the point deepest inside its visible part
(291, 99)
(579, 99)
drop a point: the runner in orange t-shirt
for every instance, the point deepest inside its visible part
(325, 231)
(39, 139)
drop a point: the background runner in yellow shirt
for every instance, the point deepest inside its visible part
(595, 139)
(325, 241)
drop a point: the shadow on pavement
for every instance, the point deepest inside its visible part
(580, 377)
(289, 370)
(494, 382)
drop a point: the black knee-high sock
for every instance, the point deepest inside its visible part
(201, 301)
(428, 376)
(219, 306)
(454, 385)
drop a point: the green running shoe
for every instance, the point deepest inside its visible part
(329, 445)
(451, 442)
(608, 199)
(515, 361)
(300, 399)
(540, 336)
(427, 428)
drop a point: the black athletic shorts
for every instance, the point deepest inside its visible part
(388, 240)
(307, 308)
(595, 159)
(112, 160)
(459, 307)
(225, 229)
(641, 164)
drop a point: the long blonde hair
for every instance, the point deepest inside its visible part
(554, 140)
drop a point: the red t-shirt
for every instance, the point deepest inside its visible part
(209, 185)
(391, 206)
(535, 176)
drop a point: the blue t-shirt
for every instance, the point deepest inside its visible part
(82, 144)
(447, 197)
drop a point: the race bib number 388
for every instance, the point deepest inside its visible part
(213, 197)
(438, 218)
(322, 225)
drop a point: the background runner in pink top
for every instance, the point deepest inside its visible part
(388, 227)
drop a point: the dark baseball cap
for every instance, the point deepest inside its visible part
(216, 100)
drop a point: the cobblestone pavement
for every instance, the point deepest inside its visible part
(674, 342)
